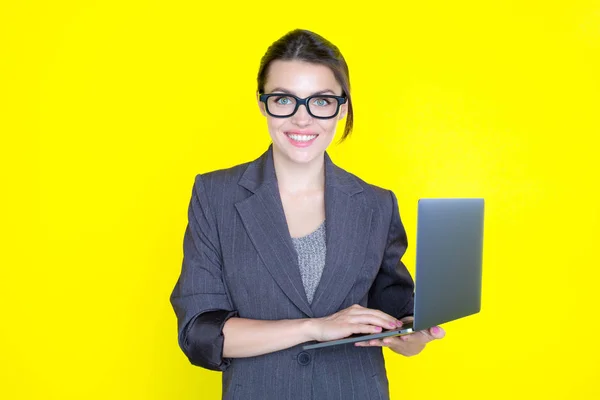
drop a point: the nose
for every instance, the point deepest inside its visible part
(301, 117)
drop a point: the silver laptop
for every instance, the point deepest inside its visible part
(448, 266)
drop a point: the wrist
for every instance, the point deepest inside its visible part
(310, 328)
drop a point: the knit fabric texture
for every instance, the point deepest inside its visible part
(311, 252)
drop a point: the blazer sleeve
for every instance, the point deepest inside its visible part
(393, 289)
(199, 297)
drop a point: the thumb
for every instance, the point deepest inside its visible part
(437, 332)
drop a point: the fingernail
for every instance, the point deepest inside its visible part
(436, 329)
(377, 329)
(399, 323)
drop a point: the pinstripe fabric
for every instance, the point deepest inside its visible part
(238, 255)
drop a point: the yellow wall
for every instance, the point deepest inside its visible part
(110, 109)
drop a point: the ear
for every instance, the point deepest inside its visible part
(261, 105)
(343, 111)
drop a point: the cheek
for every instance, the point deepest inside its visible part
(328, 126)
(275, 125)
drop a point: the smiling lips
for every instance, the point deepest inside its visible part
(301, 139)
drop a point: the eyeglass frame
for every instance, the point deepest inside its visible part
(263, 97)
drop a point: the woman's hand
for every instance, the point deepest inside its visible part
(407, 345)
(354, 319)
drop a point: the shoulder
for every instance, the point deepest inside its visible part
(220, 178)
(384, 203)
(229, 178)
(216, 189)
(376, 196)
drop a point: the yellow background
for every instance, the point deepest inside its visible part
(110, 108)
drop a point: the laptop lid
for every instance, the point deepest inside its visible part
(449, 260)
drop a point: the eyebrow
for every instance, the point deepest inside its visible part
(279, 89)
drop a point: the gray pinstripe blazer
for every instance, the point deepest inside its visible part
(238, 255)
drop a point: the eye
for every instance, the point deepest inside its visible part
(284, 101)
(321, 102)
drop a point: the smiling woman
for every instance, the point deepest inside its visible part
(303, 102)
(290, 248)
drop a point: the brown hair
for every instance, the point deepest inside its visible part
(304, 45)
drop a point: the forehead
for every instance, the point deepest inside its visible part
(301, 78)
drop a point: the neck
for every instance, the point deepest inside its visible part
(295, 178)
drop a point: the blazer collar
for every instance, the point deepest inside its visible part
(347, 230)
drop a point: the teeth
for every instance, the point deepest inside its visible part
(302, 138)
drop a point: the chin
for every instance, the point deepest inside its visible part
(305, 156)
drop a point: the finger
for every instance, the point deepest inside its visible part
(370, 319)
(437, 332)
(375, 313)
(370, 343)
(358, 307)
(393, 341)
(417, 337)
(363, 328)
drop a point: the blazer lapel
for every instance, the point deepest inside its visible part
(264, 220)
(348, 223)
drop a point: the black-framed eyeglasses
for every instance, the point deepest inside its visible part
(283, 105)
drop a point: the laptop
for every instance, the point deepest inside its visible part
(448, 266)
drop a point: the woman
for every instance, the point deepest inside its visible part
(290, 248)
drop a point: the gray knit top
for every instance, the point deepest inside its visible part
(311, 251)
